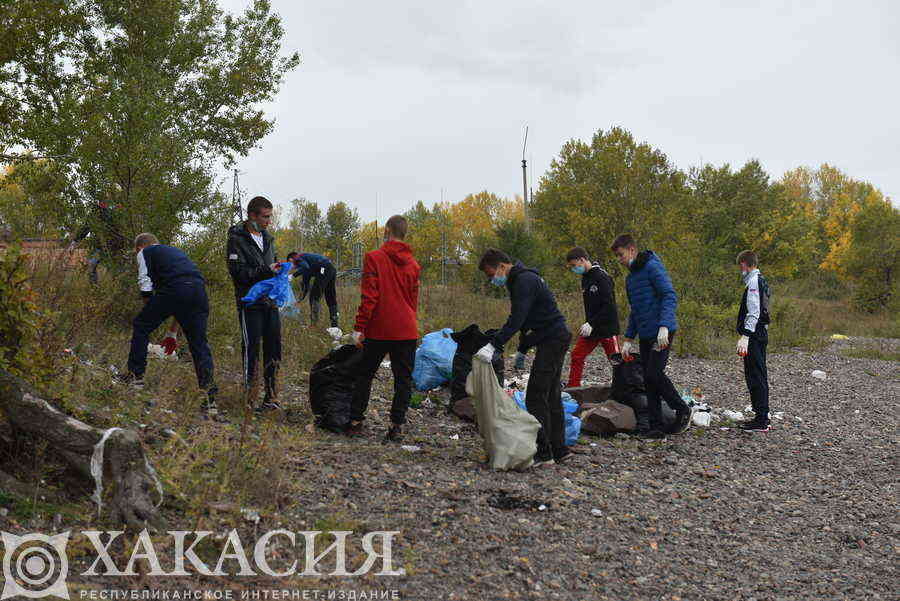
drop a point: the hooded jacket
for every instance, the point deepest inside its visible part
(311, 265)
(753, 316)
(247, 264)
(599, 292)
(533, 309)
(651, 296)
(390, 294)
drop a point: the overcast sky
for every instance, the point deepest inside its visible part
(399, 100)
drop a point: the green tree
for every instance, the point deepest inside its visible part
(305, 229)
(137, 101)
(873, 259)
(341, 228)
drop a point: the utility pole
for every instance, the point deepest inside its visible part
(525, 183)
(236, 199)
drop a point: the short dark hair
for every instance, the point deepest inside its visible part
(397, 226)
(748, 257)
(623, 241)
(576, 253)
(492, 258)
(292, 255)
(258, 203)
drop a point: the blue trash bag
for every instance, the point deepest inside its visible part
(434, 360)
(572, 424)
(278, 288)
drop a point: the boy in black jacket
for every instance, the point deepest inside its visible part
(534, 312)
(252, 258)
(753, 326)
(601, 315)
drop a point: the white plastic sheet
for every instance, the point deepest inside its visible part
(509, 434)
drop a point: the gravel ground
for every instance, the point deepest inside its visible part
(806, 511)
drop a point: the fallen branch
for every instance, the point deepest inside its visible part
(124, 464)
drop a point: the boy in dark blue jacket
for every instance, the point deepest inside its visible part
(321, 271)
(753, 326)
(170, 285)
(652, 318)
(534, 313)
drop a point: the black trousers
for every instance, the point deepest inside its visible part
(757, 375)
(187, 301)
(402, 354)
(261, 321)
(324, 285)
(659, 386)
(543, 395)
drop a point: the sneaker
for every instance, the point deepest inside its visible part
(355, 430)
(268, 406)
(565, 455)
(542, 462)
(652, 435)
(755, 426)
(129, 379)
(682, 420)
(394, 434)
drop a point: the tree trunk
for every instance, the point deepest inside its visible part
(125, 467)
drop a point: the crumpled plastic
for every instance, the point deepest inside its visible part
(278, 289)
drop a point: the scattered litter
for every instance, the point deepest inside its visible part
(155, 351)
(411, 448)
(593, 444)
(335, 333)
(501, 499)
(798, 418)
(596, 513)
(839, 337)
(778, 415)
(701, 418)
(724, 429)
(542, 507)
(819, 374)
(4, 511)
(251, 515)
(454, 437)
(748, 408)
(732, 415)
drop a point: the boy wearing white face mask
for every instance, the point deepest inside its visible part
(601, 315)
(753, 326)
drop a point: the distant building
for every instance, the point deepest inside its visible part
(45, 250)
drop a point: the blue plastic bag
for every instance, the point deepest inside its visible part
(572, 423)
(434, 360)
(278, 288)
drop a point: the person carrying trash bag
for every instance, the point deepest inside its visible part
(652, 299)
(533, 309)
(601, 325)
(171, 285)
(387, 324)
(753, 326)
(321, 271)
(252, 258)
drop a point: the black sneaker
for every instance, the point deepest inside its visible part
(755, 426)
(129, 379)
(540, 461)
(652, 435)
(267, 407)
(565, 455)
(682, 420)
(394, 434)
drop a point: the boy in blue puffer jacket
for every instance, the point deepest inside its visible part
(652, 318)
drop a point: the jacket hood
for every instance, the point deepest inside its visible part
(517, 269)
(642, 258)
(399, 252)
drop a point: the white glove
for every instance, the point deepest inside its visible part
(586, 330)
(486, 353)
(662, 338)
(742, 344)
(357, 338)
(628, 347)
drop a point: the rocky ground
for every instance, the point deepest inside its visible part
(806, 511)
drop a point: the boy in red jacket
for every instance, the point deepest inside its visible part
(386, 324)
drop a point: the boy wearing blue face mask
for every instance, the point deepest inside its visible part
(534, 312)
(601, 315)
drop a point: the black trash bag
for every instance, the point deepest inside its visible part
(628, 388)
(469, 341)
(331, 382)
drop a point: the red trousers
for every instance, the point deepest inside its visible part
(583, 348)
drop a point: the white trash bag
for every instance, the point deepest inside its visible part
(509, 434)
